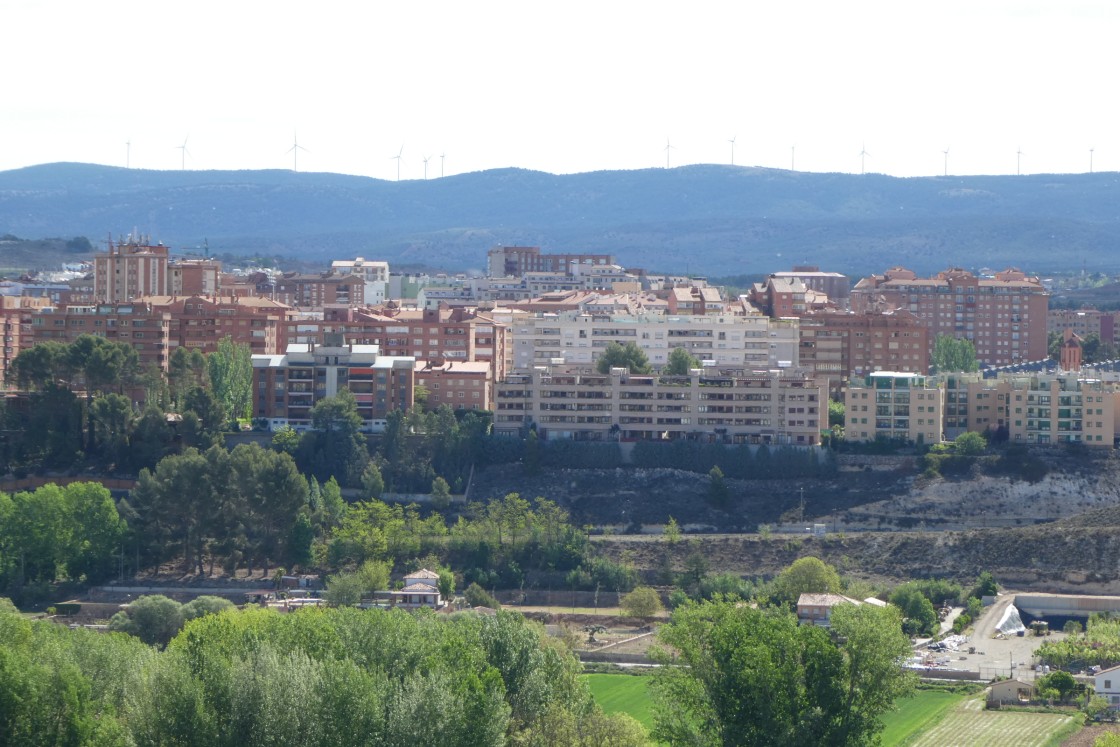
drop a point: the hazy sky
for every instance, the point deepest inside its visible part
(562, 87)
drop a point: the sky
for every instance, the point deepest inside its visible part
(562, 87)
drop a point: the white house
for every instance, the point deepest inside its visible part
(421, 589)
(1106, 683)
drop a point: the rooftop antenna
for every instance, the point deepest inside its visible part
(862, 155)
(397, 158)
(128, 154)
(183, 152)
(441, 157)
(732, 141)
(1018, 159)
(946, 152)
(426, 159)
(668, 147)
(1091, 160)
(294, 150)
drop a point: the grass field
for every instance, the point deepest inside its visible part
(914, 715)
(622, 692)
(967, 724)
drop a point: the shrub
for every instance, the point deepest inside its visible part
(644, 601)
(476, 596)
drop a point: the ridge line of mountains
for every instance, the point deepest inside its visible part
(704, 219)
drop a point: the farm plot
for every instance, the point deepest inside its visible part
(970, 725)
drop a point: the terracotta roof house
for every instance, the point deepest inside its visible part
(816, 609)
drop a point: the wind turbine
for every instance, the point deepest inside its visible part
(1091, 160)
(441, 157)
(668, 147)
(426, 159)
(397, 158)
(183, 152)
(792, 157)
(946, 152)
(732, 141)
(128, 154)
(294, 150)
(862, 155)
(1018, 159)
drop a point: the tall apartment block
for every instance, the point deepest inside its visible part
(1004, 316)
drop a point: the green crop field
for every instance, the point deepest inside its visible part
(914, 715)
(968, 724)
(622, 692)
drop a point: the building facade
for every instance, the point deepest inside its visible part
(132, 267)
(515, 261)
(17, 315)
(896, 406)
(712, 404)
(317, 291)
(287, 386)
(840, 345)
(1004, 316)
(375, 274)
(732, 341)
(145, 327)
(460, 385)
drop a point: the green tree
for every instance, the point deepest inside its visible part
(111, 420)
(441, 493)
(344, 590)
(970, 443)
(680, 363)
(836, 413)
(644, 601)
(806, 575)
(672, 531)
(285, 439)
(476, 596)
(628, 356)
(919, 616)
(231, 376)
(154, 619)
(718, 493)
(1059, 681)
(205, 605)
(372, 481)
(335, 447)
(951, 355)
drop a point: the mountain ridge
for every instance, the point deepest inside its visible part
(718, 220)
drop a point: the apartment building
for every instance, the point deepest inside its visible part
(145, 327)
(458, 335)
(132, 267)
(16, 318)
(894, 405)
(317, 291)
(713, 404)
(287, 386)
(375, 274)
(191, 277)
(696, 300)
(1083, 322)
(199, 322)
(734, 341)
(1004, 316)
(1066, 407)
(832, 284)
(838, 345)
(515, 261)
(462, 385)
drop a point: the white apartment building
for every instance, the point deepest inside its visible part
(727, 340)
(376, 275)
(712, 404)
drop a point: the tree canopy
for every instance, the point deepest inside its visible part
(952, 354)
(680, 362)
(628, 356)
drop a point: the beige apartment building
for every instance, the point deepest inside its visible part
(727, 340)
(713, 404)
(896, 406)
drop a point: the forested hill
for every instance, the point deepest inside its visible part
(717, 220)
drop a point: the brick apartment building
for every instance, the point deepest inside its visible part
(1083, 322)
(456, 335)
(515, 261)
(16, 315)
(140, 324)
(317, 291)
(200, 322)
(715, 405)
(838, 345)
(463, 385)
(832, 284)
(1004, 316)
(894, 405)
(287, 386)
(131, 268)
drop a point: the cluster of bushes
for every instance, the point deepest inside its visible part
(738, 462)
